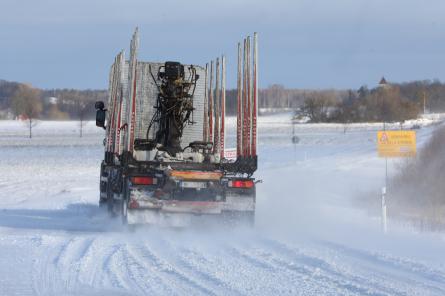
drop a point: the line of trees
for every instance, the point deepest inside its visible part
(57, 104)
(276, 96)
(395, 103)
(388, 102)
(30, 104)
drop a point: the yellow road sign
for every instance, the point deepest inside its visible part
(396, 143)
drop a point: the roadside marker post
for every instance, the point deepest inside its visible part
(393, 144)
(384, 223)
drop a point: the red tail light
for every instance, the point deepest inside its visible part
(140, 180)
(241, 183)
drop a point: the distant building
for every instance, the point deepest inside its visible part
(384, 84)
(21, 117)
(51, 100)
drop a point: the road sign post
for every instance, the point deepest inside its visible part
(384, 218)
(394, 144)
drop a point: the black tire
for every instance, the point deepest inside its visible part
(102, 184)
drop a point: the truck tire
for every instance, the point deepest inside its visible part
(102, 185)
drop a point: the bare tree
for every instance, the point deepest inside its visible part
(316, 106)
(26, 103)
(82, 108)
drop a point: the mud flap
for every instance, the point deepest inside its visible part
(155, 217)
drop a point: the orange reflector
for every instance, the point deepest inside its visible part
(241, 183)
(141, 180)
(196, 175)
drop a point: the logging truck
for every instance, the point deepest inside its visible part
(164, 122)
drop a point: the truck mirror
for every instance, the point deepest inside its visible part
(99, 105)
(100, 118)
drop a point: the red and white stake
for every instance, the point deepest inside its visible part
(216, 142)
(121, 102)
(110, 104)
(132, 88)
(211, 103)
(249, 100)
(255, 94)
(245, 126)
(239, 117)
(115, 105)
(206, 107)
(223, 103)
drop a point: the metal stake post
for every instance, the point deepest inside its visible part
(384, 220)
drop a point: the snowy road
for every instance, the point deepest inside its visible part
(308, 239)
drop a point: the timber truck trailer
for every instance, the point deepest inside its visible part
(165, 160)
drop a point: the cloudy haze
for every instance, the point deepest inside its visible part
(303, 44)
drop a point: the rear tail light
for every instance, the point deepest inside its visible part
(143, 180)
(241, 183)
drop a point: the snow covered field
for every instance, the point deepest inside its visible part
(308, 239)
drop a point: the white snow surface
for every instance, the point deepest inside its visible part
(308, 238)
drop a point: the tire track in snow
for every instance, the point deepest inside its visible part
(234, 267)
(94, 271)
(46, 277)
(89, 265)
(142, 275)
(324, 271)
(113, 267)
(78, 266)
(315, 279)
(190, 261)
(69, 260)
(414, 273)
(220, 262)
(396, 262)
(62, 267)
(295, 279)
(170, 273)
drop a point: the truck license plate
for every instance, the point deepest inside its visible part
(198, 185)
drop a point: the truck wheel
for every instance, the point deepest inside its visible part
(103, 180)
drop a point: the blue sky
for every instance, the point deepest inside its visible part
(302, 44)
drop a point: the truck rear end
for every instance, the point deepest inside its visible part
(177, 197)
(165, 141)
